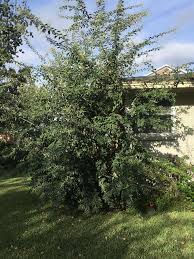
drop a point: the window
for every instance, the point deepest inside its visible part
(167, 129)
(160, 127)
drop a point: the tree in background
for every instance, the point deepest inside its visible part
(13, 27)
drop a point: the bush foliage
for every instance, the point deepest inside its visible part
(78, 134)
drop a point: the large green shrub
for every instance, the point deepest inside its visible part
(83, 147)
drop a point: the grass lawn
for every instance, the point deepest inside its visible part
(30, 231)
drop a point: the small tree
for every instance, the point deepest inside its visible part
(84, 149)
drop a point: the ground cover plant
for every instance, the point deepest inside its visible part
(28, 230)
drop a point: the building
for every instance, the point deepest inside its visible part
(175, 142)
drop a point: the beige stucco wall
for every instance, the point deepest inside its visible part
(187, 145)
(184, 145)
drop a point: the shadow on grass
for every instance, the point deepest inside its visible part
(30, 231)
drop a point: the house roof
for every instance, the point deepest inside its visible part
(165, 70)
(164, 73)
(163, 77)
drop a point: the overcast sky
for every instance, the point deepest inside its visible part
(177, 48)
